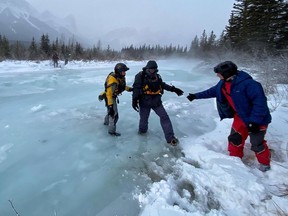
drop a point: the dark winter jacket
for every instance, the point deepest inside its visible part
(248, 97)
(155, 84)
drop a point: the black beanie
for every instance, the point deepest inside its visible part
(151, 65)
(226, 69)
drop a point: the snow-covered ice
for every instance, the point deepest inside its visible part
(56, 157)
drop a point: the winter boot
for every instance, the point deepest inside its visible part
(174, 141)
(264, 168)
(114, 134)
(142, 133)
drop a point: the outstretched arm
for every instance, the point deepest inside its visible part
(209, 93)
(172, 88)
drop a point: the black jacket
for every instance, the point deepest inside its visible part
(155, 84)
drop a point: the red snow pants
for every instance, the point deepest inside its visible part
(238, 135)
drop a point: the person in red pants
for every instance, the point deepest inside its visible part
(242, 98)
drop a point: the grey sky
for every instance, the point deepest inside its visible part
(145, 21)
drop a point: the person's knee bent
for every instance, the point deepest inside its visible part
(235, 139)
(257, 141)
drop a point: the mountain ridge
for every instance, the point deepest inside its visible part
(19, 21)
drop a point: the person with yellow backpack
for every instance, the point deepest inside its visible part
(148, 88)
(115, 84)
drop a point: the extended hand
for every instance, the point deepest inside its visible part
(178, 91)
(191, 97)
(253, 127)
(135, 105)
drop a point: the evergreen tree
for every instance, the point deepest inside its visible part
(211, 41)
(203, 44)
(5, 51)
(262, 22)
(55, 46)
(78, 50)
(281, 33)
(235, 32)
(257, 24)
(33, 50)
(194, 46)
(45, 45)
(222, 42)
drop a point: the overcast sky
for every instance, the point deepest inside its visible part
(144, 21)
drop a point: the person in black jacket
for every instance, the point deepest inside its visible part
(55, 59)
(148, 88)
(242, 98)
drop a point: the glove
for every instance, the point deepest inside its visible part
(178, 91)
(135, 105)
(111, 111)
(102, 96)
(130, 89)
(191, 97)
(253, 127)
